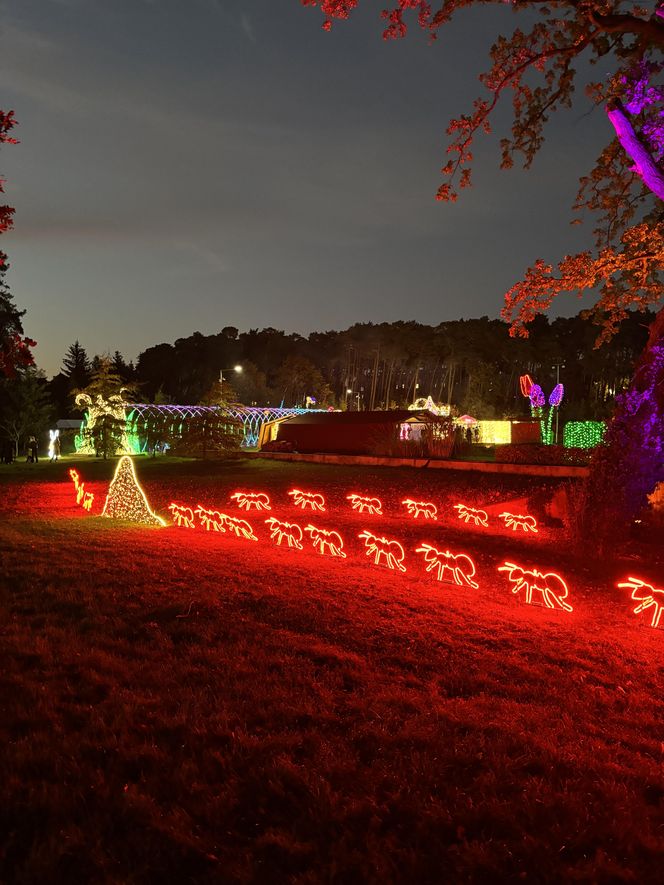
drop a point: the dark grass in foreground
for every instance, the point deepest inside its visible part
(179, 707)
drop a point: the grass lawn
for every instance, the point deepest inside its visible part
(181, 706)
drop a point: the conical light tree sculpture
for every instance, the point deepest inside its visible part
(126, 499)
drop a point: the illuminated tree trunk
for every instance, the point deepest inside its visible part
(627, 468)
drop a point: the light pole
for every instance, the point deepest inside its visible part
(557, 367)
(237, 369)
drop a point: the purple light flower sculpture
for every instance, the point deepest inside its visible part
(537, 398)
(556, 395)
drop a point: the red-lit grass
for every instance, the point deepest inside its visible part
(187, 707)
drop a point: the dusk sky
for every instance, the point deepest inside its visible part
(191, 164)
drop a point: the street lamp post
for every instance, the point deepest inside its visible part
(237, 369)
(557, 367)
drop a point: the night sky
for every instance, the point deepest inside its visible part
(191, 164)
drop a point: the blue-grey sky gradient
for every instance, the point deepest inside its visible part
(192, 164)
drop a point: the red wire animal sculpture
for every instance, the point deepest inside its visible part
(88, 498)
(647, 596)
(247, 500)
(326, 542)
(82, 497)
(527, 523)
(479, 517)
(288, 530)
(551, 586)
(460, 566)
(183, 516)
(421, 508)
(211, 520)
(239, 527)
(366, 505)
(307, 499)
(382, 549)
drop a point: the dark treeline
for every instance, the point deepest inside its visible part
(472, 364)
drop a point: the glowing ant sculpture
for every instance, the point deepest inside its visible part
(372, 506)
(238, 527)
(307, 499)
(551, 586)
(647, 596)
(383, 549)
(288, 530)
(247, 500)
(210, 519)
(421, 508)
(479, 517)
(183, 516)
(527, 523)
(325, 541)
(460, 566)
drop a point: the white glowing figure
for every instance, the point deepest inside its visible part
(52, 436)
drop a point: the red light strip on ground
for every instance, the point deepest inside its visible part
(514, 521)
(382, 549)
(647, 596)
(288, 530)
(551, 586)
(366, 505)
(421, 508)
(307, 499)
(460, 566)
(247, 500)
(479, 517)
(326, 542)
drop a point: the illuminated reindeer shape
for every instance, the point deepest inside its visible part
(460, 566)
(381, 548)
(288, 530)
(552, 587)
(647, 596)
(421, 508)
(307, 499)
(322, 539)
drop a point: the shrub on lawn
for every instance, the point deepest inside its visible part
(540, 454)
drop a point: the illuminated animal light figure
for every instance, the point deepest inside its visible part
(421, 508)
(75, 477)
(101, 410)
(479, 517)
(307, 499)
(183, 516)
(288, 530)
(551, 586)
(372, 506)
(88, 498)
(126, 499)
(211, 520)
(247, 500)
(326, 542)
(527, 523)
(52, 436)
(239, 527)
(382, 549)
(82, 497)
(647, 596)
(460, 566)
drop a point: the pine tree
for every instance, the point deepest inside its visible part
(76, 366)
